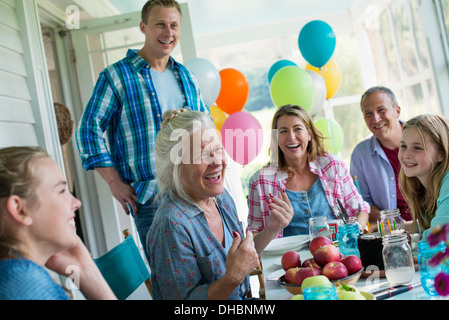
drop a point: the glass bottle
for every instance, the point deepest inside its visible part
(428, 273)
(318, 226)
(391, 222)
(397, 258)
(347, 239)
(320, 292)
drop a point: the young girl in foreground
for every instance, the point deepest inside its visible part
(37, 229)
(424, 177)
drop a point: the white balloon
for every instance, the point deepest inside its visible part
(208, 79)
(320, 92)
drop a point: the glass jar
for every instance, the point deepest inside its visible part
(347, 239)
(398, 259)
(391, 222)
(428, 273)
(320, 292)
(318, 226)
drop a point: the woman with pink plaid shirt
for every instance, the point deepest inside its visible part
(301, 166)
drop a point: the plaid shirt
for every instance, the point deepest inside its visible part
(124, 104)
(333, 174)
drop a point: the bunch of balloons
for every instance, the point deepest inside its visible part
(317, 82)
(226, 93)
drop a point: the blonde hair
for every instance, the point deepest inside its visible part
(315, 148)
(161, 3)
(168, 171)
(17, 177)
(423, 201)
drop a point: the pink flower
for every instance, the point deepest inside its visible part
(442, 284)
(438, 234)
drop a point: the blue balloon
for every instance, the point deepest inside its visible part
(317, 42)
(278, 66)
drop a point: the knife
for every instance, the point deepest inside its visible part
(345, 214)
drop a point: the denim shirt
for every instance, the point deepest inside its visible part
(186, 258)
(22, 279)
(307, 204)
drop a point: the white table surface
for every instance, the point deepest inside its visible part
(274, 291)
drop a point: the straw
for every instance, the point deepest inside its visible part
(379, 228)
(383, 229)
(394, 225)
(369, 229)
(389, 225)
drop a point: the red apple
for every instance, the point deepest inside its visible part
(352, 263)
(304, 273)
(290, 259)
(290, 275)
(310, 263)
(317, 243)
(326, 254)
(335, 270)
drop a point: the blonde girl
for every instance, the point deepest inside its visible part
(424, 178)
(37, 229)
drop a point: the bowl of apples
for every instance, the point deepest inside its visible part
(327, 262)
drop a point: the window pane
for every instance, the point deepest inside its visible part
(406, 44)
(347, 59)
(416, 100)
(126, 37)
(354, 127)
(420, 38)
(445, 6)
(389, 47)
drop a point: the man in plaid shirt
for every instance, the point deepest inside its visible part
(127, 103)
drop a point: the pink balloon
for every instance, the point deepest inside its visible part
(242, 137)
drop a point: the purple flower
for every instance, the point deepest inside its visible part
(440, 256)
(442, 284)
(438, 234)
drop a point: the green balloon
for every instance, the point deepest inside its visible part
(333, 134)
(292, 85)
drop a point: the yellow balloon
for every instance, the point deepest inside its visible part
(332, 76)
(218, 116)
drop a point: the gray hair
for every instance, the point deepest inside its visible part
(176, 125)
(385, 90)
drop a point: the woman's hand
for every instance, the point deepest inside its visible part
(281, 212)
(242, 259)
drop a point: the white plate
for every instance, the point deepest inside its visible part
(282, 245)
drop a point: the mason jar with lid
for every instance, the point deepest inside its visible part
(318, 226)
(391, 222)
(397, 258)
(427, 272)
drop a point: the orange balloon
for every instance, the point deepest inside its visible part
(234, 91)
(218, 116)
(332, 76)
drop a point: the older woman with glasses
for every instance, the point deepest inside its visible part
(198, 248)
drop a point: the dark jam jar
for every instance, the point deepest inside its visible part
(370, 248)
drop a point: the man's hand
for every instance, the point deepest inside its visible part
(120, 190)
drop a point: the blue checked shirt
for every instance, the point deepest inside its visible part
(124, 104)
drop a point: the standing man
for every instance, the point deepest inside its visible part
(127, 103)
(375, 160)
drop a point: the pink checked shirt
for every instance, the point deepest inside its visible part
(334, 176)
